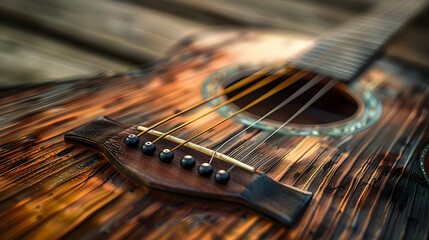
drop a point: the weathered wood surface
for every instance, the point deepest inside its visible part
(27, 57)
(366, 185)
(253, 189)
(43, 40)
(144, 29)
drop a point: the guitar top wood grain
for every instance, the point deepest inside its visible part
(367, 185)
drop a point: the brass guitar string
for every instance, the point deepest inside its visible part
(227, 90)
(253, 88)
(326, 88)
(319, 94)
(270, 78)
(234, 162)
(231, 88)
(286, 83)
(262, 82)
(273, 91)
(292, 79)
(216, 154)
(254, 161)
(300, 91)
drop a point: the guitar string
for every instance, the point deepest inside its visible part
(227, 90)
(254, 161)
(300, 91)
(325, 88)
(335, 61)
(317, 96)
(273, 91)
(233, 87)
(253, 88)
(293, 96)
(313, 99)
(192, 120)
(297, 76)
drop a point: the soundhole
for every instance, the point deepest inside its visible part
(337, 104)
(345, 109)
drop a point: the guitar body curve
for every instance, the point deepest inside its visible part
(365, 185)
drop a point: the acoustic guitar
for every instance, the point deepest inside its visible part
(236, 134)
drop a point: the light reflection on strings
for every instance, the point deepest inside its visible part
(322, 91)
(296, 94)
(270, 78)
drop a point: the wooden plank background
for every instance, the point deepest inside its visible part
(43, 40)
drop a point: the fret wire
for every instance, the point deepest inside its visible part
(352, 34)
(331, 65)
(376, 23)
(354, 42)
(348, 62)
(367, 21)
(333, 69)
(371, 37)
(361, 34)
(354, 59)
(351, 42)
(373, 28)
(353, 51)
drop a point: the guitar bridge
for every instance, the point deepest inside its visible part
(246, 185)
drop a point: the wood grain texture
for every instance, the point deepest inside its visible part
(367, 185)
(44, 40)
(253, 189)
(28, 57)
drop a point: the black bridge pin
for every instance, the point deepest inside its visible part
(132, 141)
(222, 176)
(205, 170)
(187, 162)
(148, 148)
(166, 155)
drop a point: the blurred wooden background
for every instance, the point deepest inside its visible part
(42, 40)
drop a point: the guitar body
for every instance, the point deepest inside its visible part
(366, 184)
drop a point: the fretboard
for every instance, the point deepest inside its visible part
(346, 51)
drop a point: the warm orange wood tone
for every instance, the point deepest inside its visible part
(254, 189)
(366, 185)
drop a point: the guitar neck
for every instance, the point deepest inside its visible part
(346, 51)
